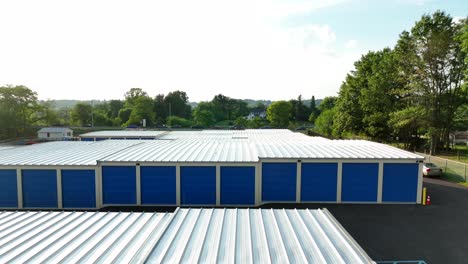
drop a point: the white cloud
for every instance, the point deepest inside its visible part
(351, 44)
(312, 36)
(100, 49)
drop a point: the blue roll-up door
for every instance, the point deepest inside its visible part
(119, 184)
(359, 182)
(279, 182)
(238, 185)
(39, 188)
(87, 139)
(78, 189)
(158, 185)
(198, 185)
(400, 182)
(319, 182)
(8, 189)
(101, 139)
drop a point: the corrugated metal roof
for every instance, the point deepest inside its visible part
(124, 133)
(203, 146)
(188, 150)
(185, 236)
(6, 147)
(54, 130)
(250, 146)
(333, 149)
(63, 153)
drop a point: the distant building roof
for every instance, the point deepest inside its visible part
(62, 153)
(54, 129)
(185, 236)
(123, 133)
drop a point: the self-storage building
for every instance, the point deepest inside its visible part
(208, 168)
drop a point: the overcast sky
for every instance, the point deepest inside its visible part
(262, 49)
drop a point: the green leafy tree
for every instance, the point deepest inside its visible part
(302, 112)
(81, 114)
(100, 119)
(349, 114)
(46, 115)
(160, 108)
(439, 62)
(407, 125)
(241, 121)
(17, 103)
(314, 112)
(133, 94)
(293, 109)
(203, 114)
(124, 115)
(177, 104)
(278, 113)
(221, 107)
(239, 108)
(256, 122)
(143, 109)
(178, 121)
(114, 108)
(327, 103)
(324, 122)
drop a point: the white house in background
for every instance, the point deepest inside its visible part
(55, 133)
(255, 113)
(459, 137)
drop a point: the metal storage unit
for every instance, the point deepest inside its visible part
(400, 182)
(39, 188)
(237, 185)
(8, 189)
(319, 182)
(119, 185)
(279, 182)
(158, 185)
(198, 185)
(359, 182)
(78, 188)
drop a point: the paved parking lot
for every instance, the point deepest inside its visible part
(436, 234)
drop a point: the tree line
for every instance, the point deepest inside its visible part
(21, 111)
(414, 93)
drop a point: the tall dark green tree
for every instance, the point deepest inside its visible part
(81, 114)
(177, 104)
(440, 65)
(160, 108)
(17, 103)
(301, 111)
